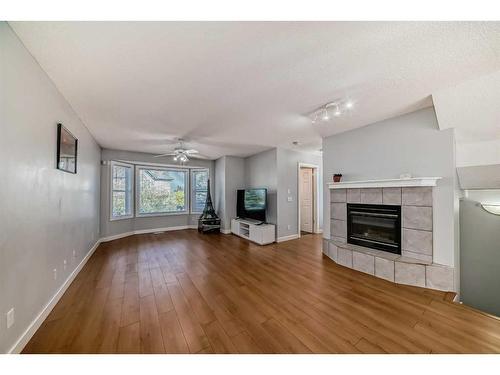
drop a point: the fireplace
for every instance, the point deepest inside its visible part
(374, 225)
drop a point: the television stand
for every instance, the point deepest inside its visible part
(255, 231)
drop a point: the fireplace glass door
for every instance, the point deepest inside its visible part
(375, 226)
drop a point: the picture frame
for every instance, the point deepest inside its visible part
(67, 150)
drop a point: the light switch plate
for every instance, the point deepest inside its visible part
(10, 318)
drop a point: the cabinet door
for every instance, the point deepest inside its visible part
(235, 226)
(255, 234)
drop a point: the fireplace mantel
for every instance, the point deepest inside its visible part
(395, 182)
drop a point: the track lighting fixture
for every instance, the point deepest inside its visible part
(336, 109)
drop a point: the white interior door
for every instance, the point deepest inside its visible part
(306, 200)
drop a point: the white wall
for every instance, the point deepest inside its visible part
(471, 108)
(287, 167)
(116, 227)
(412, 144)
(45, 213)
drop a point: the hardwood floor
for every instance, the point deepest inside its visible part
(182, 292)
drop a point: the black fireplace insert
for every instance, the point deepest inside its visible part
(374, 225)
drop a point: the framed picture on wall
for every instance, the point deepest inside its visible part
(67, 148)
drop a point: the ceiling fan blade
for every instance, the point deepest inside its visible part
(191, 151)
(168, 154)
(198, 156)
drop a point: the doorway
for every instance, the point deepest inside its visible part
(307, 199)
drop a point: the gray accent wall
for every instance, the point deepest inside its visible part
(220, 190)
(410, 143)
(287, 167)
(480, 255)
(116, 227)
(45, 213)
(235, 172)
(261, 171)
(229, 177)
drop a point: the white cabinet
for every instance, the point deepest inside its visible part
(262, 234)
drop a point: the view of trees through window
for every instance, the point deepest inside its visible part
(161, 191)
(121, 191)
(200, 183)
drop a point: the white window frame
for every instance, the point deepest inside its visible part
(187, 194)
(192, 193)
(111, 190)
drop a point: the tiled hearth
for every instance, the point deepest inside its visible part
(414, 266)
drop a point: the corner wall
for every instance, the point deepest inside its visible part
(261, 172)
(287, 166)
(229, 177)
(45, 213)
(410, 143)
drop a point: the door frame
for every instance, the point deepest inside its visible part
(315, 196)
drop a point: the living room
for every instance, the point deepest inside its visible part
(236, 187)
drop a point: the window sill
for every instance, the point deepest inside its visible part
(162, 214)
(121, 218)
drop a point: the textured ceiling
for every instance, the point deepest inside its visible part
(236, 88)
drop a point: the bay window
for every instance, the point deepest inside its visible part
(121, 191)
(199, 186)
(161, 191)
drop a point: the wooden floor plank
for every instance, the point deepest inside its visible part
(193, 332)
(151, 339)
(184, 292)
(129, 339)
(173, 338)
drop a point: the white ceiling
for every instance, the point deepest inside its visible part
(236, 88)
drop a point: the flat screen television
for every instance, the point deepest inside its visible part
(252, 204)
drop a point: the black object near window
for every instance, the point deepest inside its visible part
(67, 148)
(374, 225)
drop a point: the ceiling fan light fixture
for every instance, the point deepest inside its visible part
(183, 154)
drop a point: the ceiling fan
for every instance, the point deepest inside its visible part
(182, 154)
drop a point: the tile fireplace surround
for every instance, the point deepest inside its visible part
(414, 266)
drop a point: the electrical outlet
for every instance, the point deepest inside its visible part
(290, 199)
(64, 264)
(10, 318)
(289, 227)
(55, 273)
(74, 253)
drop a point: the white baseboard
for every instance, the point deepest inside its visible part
(144, 231)
(117, 236)
(37, 322)
(287, 238)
